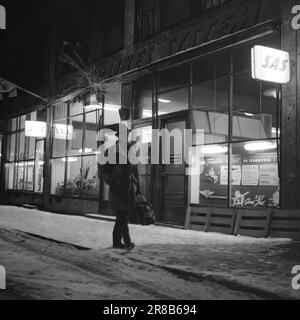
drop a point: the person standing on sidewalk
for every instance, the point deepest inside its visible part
(123, 181)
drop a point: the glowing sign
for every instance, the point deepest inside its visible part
(63, 131)
(270, 65)
(35, 129)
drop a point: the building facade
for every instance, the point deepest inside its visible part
(169, 65)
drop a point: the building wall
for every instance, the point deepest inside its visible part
(290, 135)
(168, 43)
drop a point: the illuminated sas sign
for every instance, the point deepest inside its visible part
(270, 65)
(35, 129)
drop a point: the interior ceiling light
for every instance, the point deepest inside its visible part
(70, 159)
(260, 146)
(86, 150)
(249, 114)
(271, 93)
(216, 149)
(164, 100)
(148, 113)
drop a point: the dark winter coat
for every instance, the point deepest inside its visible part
(123, 181)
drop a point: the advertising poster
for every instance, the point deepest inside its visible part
(250, 175)
(260, 183)
(254, 181)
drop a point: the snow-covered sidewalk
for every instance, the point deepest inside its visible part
(262, 264)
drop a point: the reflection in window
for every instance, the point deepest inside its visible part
(90, 132)
(143, 98)
(79, 135)
(22, 153)
(39, 167)
(21, 147)
(29, 174)
(173, 78)
(60, 130)
(57, 176)
(254, 109)
(20, 171)
(75, 145)
(11, 145)
(210, 104)
(9, 176)
(90, 182)
(112, 105)
(173, 101)
(31, 148)
(73, 182)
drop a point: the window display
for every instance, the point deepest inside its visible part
(232, 107)
(24, 156)
(74, 164)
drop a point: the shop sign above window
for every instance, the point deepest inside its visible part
(270, 65)
(35, 129)
(63, 131)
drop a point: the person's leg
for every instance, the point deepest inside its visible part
(125, 229)
(117, 233)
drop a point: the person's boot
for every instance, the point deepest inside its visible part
(130, 246)
(119, 246)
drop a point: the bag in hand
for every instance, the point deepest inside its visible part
(145, 213)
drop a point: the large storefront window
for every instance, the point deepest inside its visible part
(112, 105)
(24, 159)
(173, 89)
(74, 150)
(143, 96)
(240, 154)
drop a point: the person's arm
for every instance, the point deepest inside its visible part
(136, 175)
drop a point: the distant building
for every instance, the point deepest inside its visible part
(173, 64)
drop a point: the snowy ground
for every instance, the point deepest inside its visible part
(167, 263)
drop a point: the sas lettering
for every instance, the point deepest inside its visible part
(275, 64)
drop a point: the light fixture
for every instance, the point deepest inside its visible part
(70, 159)
(270, 93)
(249, 114)
(260, 146)
(214, 149)
(164, 100)
(86, 150)
(148, 113)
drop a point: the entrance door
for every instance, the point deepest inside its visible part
(173, 178)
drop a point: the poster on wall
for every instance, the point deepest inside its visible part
(268, 175)
(236, 175)
(250, 175)
(254, 181)
(214, 181)
(260, 182)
